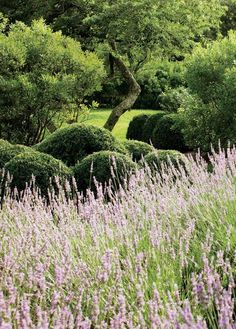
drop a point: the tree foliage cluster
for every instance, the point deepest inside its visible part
(141, 48)
(208, 111)
(125, 34)
(42, 76)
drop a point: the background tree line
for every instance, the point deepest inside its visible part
(121, 53)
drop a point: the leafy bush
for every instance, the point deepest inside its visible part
(157, 158)
(150, 125)
(43, 166)
(157, 77)
(138, 149)
(135, 129)
(43, 75)
(209, 115)
(8, 151)
(171, 99)
(105, 166)
(75, 142)
(167, 134)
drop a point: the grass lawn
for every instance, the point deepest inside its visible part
(99, 117)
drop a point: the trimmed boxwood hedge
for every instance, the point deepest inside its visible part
(155, 159)
(167, 134)
(100, 165)
(73, 143)
(135, 129)
(149, 126)
(8, 151)
(43, 166)
(138, 149)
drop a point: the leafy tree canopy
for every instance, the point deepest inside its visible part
(42, 75)
(129, 31)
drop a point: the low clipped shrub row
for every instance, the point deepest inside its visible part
(167, 134)
(135, 128)
(73, 143)
(137, 149)
(8, 152)
(162, 130)
(106, 167)
(43, 167)
(88, 153)
(149, 126)
(157, 159)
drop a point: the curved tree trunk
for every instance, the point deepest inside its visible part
(132, 95)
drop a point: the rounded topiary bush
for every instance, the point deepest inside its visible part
(42, 166)
(135, 129)
(157, 159)
(150, 125)
(105, 166)
(73, 143)
(8, 151)
(138, 149)
(167, 134)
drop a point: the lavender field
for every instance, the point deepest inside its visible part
(160, 254)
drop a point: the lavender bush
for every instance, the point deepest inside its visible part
(160, 254)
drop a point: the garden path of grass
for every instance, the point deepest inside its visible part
(99, 117)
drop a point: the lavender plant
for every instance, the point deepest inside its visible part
(160, 254)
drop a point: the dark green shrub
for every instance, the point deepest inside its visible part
(157, 158)
(167, 134)
(8, 151)
(101, 165)
(150, 125)
(43, 166)
(73, 143)
(135, 129)
(138, 149)
(155, 78)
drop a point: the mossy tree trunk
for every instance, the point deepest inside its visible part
(134, 90)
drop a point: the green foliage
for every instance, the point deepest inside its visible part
(8, 152)
(4, 143)
(154, 28)
(171, 100)
(157, 77)
(42, 166)
(135, 129)
(138, 149)
(43, 75)
(167, 134)
(105, 166)
(157, 159)
(76, 141)
(209, 114)
(104, 20)
(150, 125)
(25, 10)
(228, 20)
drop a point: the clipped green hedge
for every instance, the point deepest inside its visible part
(100, 165)
(149, 126)
(167, 134)
(8, 152)
(138, 149)
(73, 143)
(156, 159)
(42, 166)
(135, 129)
